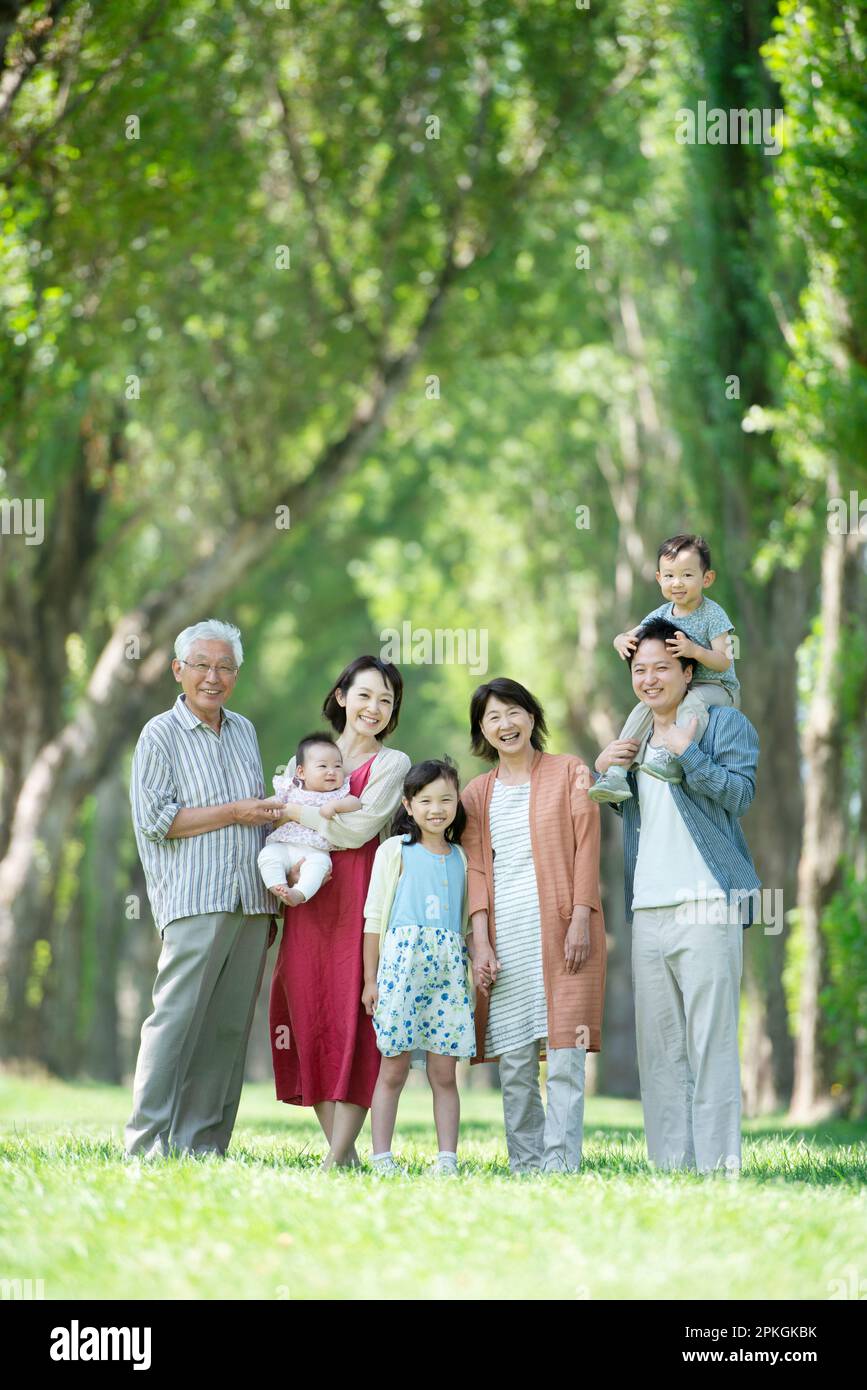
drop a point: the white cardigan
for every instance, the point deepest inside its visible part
(379, 801)
(383, 886)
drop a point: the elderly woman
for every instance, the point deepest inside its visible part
(323, 1044)
(532, 845)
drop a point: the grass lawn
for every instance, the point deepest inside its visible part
(264, 1224)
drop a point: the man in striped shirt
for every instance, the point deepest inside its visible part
(198, 807)
(690, 889)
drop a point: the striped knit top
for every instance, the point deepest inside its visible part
(564, 829)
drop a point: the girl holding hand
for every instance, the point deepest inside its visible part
(416, 983)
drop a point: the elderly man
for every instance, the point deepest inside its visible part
(690, 888)
(197, 793)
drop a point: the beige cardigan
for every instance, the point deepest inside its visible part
(564, 835)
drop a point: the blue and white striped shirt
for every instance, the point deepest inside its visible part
(180, 762)
(719, 782)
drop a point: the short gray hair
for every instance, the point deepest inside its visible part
(210, 631)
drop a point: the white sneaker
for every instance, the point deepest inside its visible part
(385, 1167)
(445, 1166)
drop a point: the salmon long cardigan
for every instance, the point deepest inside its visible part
(564, 835)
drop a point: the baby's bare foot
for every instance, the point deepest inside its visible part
(281, 891)
(294, 897)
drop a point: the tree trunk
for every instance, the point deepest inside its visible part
(733, 205)
(825, 823)
(53, 1024)
(591, 715)
(618, 1062)
(108, 868)
(136, 973)
(774, 624)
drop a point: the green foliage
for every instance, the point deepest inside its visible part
(161, 365)
(817, 56)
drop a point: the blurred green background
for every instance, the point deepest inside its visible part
(336, 317)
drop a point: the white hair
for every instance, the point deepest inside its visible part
(210, 631)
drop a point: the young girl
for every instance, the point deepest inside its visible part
(421, 995)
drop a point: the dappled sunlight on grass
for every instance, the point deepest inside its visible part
(265, 1223)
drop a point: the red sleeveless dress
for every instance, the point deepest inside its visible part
(322, 1042)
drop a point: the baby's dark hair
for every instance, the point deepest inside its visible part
(671, 548)
(310, 741)
(420, 776)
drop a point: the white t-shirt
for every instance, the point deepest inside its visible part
(669, 868)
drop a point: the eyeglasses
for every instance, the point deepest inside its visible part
(202, 668)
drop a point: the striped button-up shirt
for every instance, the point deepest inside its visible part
(180, 762)
(719, 781)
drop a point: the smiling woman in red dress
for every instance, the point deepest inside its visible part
(322, 1041)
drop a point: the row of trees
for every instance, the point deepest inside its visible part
(343, 316)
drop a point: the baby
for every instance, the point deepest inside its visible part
(319, 782)
(683, 575)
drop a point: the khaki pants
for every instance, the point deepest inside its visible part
(686, 976)
(190, 1065)
(551, 1142)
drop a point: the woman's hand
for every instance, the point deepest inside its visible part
(486, 967)
(370, 997)
(621, 751)
(576, 948)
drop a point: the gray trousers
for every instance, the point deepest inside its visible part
(190, 1065)
(535, 1140)
(686, 976)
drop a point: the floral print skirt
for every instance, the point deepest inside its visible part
(424, 993)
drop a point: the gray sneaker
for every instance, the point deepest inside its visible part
(664, 765)
(612, 786)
